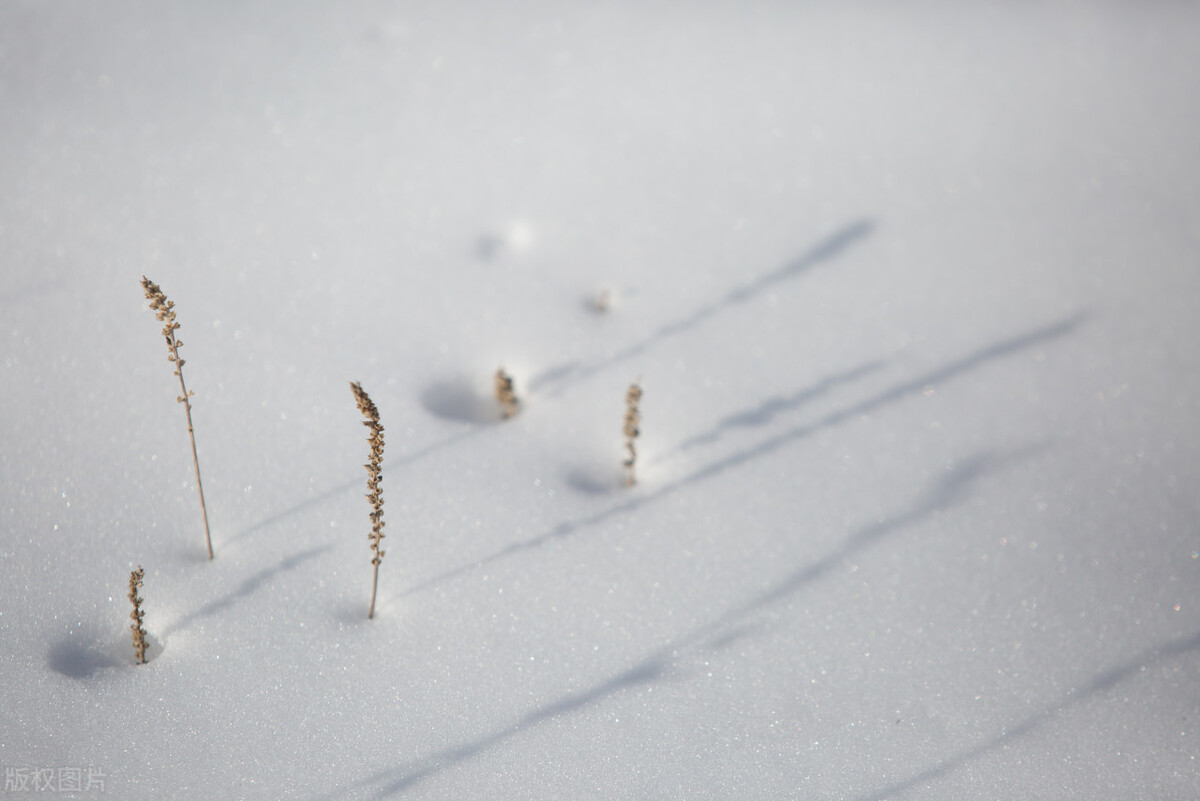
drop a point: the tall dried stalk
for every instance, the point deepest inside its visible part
(632, 418)
(164, 311)
(139, 633)
(505, 396)
(374, 467)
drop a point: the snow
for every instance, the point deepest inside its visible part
(911, 293)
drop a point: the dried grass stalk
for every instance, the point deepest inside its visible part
(164, 311)
(505, 395)
(139, 633)
(374, 467)
(632, 419)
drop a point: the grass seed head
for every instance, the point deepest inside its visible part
(139, 633)
(374, 468)
(505, 395)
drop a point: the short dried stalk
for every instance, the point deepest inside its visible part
(139, 633)
(164, 311)
(505, 395)
(374, 467)
(632, 418)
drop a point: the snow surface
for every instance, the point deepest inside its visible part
(911, 289)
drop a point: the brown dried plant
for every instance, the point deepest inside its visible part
(139, 633)
(632, 418)
(374, 467)
(164, 311)
(505, 395)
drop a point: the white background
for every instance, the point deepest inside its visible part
(911, 290)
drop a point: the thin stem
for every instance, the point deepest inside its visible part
(374, 586)
(187, 407)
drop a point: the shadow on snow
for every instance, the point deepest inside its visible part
(950, 490)
(555, 377)
(1103, 682)
(893, 394)
(245, 589)
(456, 399)
(659, 665)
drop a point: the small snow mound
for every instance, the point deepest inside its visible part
(516, 238)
